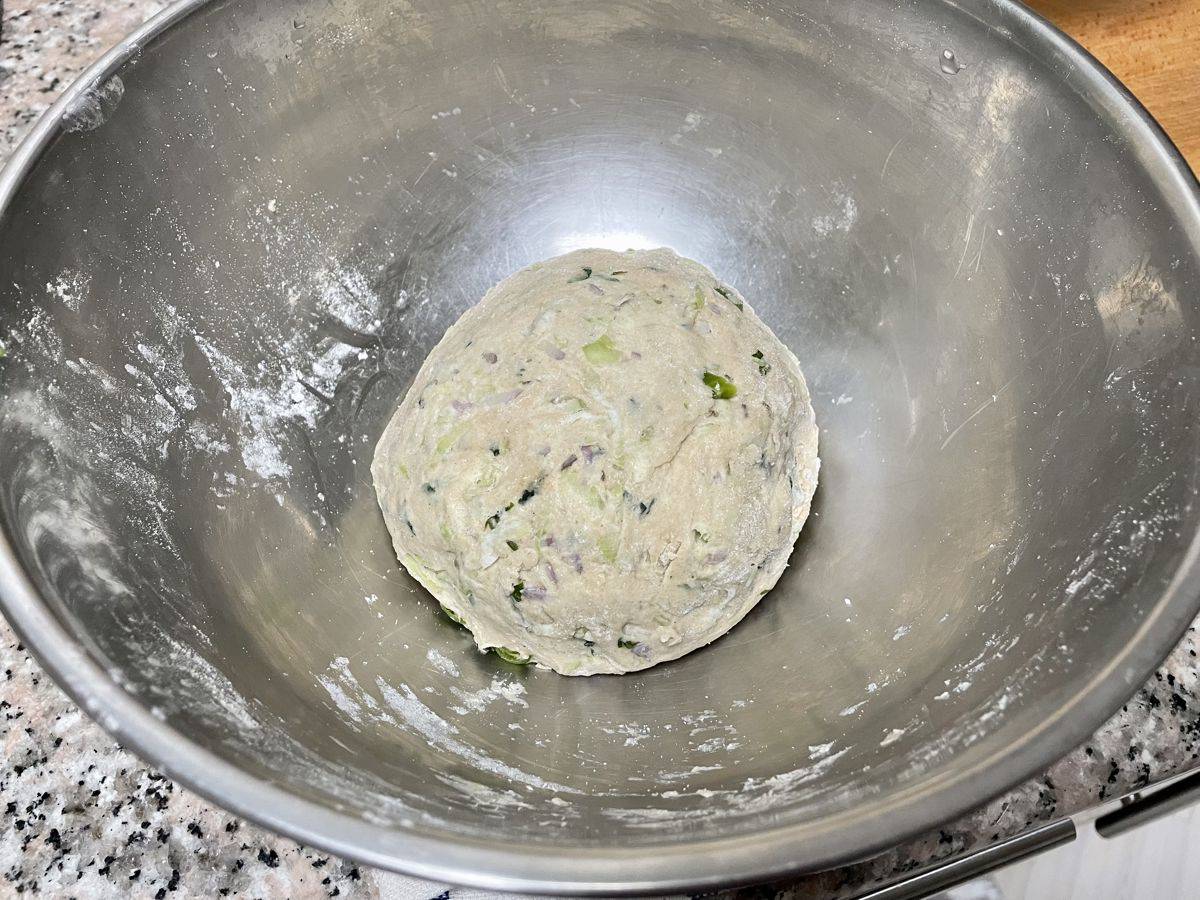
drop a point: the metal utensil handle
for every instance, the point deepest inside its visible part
(973, 865)
(1145, 808)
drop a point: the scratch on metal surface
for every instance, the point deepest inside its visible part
(966, 244)
(978, 262)
(883, 171)
(424, 171)
(1000, 390)
(986, 403)
(502, 79)
(912, 403)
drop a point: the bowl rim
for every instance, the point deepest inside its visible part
(775, 852)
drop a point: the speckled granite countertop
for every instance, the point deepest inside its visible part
(82, 817)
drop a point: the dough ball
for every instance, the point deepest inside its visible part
(603, 465)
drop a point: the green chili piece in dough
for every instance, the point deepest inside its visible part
(722, 388)
(512, 656)
(452, 615)
(728, 295)
(763, 367)
(608, 547)
(601, 351)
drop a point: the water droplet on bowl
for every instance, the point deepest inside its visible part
(950, 64)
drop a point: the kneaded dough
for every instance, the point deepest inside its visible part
(603, 465)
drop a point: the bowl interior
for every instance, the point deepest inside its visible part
(219, 279)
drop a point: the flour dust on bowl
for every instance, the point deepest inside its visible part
(219, 279)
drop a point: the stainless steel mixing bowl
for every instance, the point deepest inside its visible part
(226, 251)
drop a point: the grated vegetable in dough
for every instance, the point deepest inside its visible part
(603, 465)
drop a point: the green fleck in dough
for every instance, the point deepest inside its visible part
(452, 615)
(722, 388)
(601, 351)
(512, 656)
(450, 438)
(608, 547)
(729, 295)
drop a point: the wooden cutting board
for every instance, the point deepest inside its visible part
(1153, 46)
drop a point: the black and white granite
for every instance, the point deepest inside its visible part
(83, 817)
